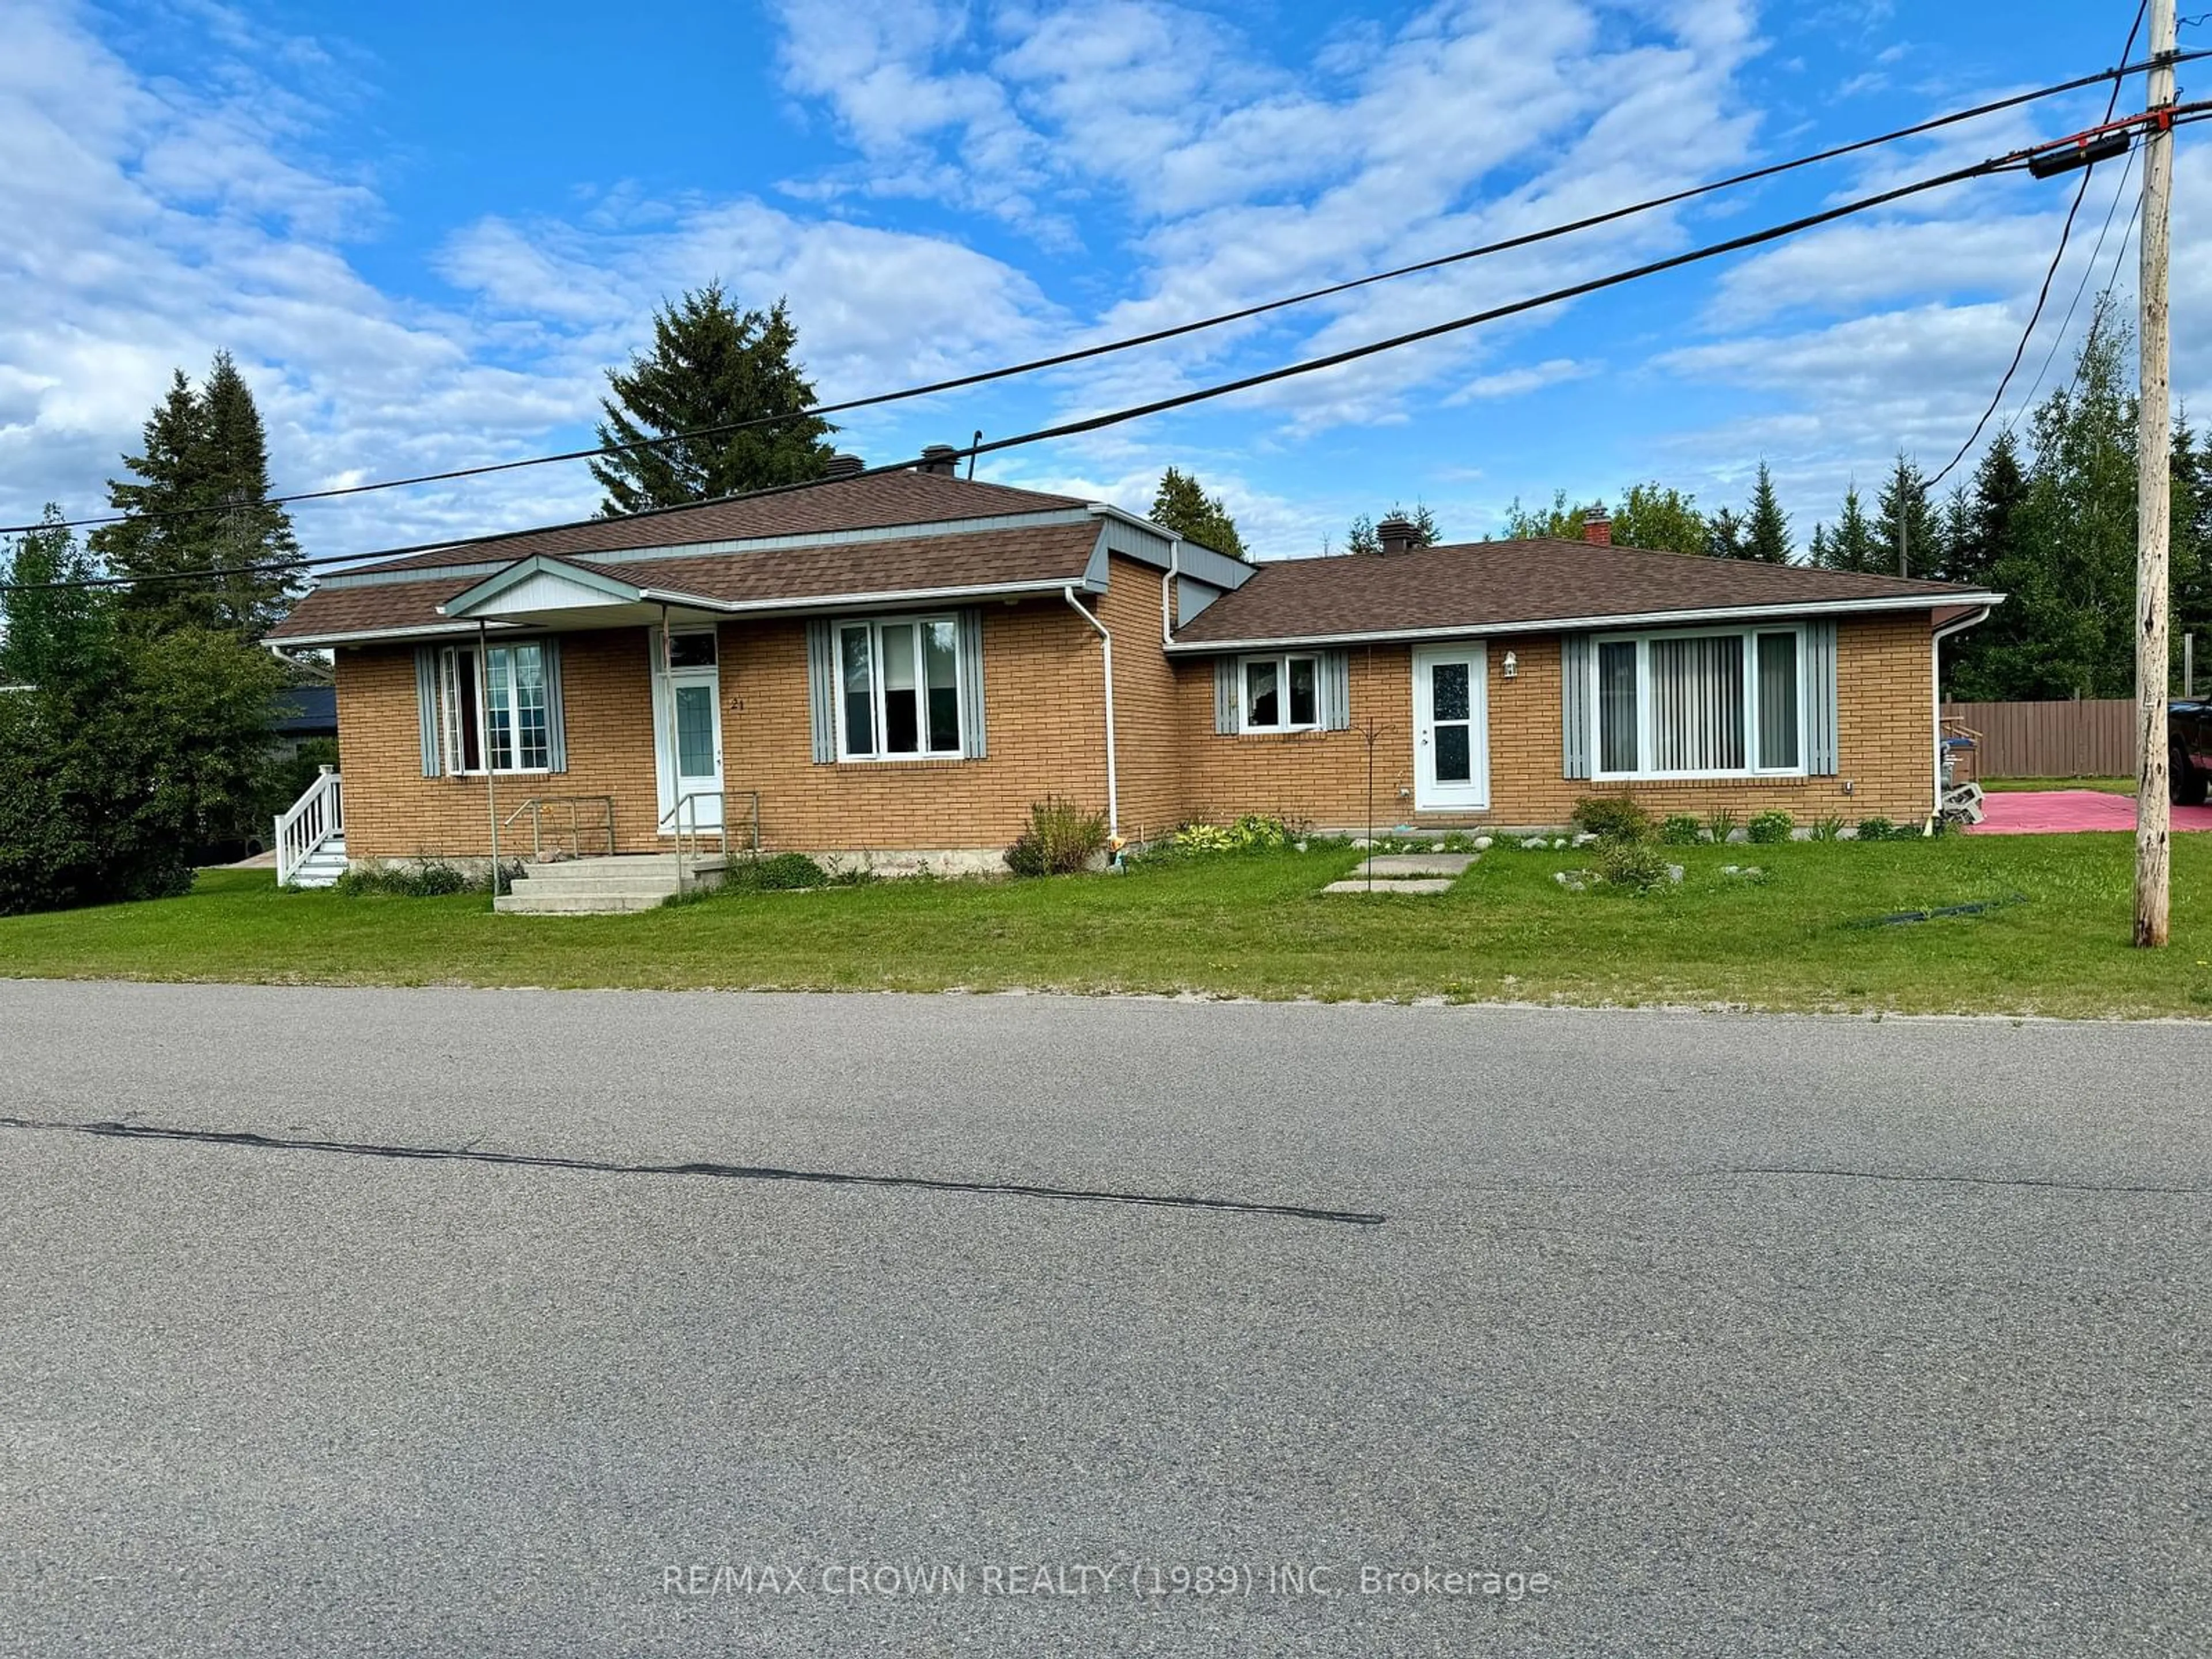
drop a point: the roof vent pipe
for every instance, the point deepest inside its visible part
(941, 459)
(843, 465)
(1397, 534)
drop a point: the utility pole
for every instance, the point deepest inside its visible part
(2153, 501)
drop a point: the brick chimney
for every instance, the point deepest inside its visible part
(843, 465)
(1397, 534)
(941, 458)
(1597, 526)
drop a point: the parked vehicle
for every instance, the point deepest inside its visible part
(2188, 750)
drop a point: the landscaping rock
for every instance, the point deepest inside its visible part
(1674, 872)
(1535, 844)
(1560, 844)
(1483, 843)
(1585, 838)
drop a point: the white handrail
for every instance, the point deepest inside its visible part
(686, 814)
(309, 822)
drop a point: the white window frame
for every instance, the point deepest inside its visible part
(449, 712)
(875, 626)
(1282, 662)
(1748, 638)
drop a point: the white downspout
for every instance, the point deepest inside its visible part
(1106, 647)
(1168, 592)
(1935, 704)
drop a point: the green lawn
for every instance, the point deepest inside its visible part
(1256, 925)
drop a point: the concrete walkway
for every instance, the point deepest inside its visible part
(1403, 873)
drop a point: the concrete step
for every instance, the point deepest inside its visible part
(645, 867)
(574, 902)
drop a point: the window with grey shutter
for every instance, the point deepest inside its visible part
(1575, 706)
(426, 705)
(1224, 696)
(557, 719)
(972, 746)
(1335, 691)
(822, 690)
(1820, 667)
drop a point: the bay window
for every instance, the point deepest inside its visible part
(1281, 694)
(898, 689)
(1701, 705)
(499, 710)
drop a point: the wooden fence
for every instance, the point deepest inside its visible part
(2093, 738)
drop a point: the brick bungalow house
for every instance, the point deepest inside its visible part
(900, 664)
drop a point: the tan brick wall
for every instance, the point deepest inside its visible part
(1042, 680)
(1884, 743)
(393, 810)
(1044, 685)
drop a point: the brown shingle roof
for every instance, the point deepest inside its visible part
(329, 611)
(1031, 554)
(871, 503)
(1494, 584)
(983, 558)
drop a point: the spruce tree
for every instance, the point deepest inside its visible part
(1766, 535)
(1907, 527)
(218, 553)
(1851, 544)
(1180, 504)
(1724, 535)
(710, 366)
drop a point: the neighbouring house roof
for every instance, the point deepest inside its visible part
(304, 710)
(906, 537)
(1529, 585)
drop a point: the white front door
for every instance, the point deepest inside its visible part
(1451, 729)
(687, 727)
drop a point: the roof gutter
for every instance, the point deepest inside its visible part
(1106, 650)
(1593, 624)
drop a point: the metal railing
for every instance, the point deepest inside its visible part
(688, 830)
(537, 807)
(310, 821)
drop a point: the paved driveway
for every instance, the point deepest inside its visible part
(1749, 1335)
(2060, 811)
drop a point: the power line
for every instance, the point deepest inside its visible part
(2042, 295)
(2015, 160)
(2012, 162)
(1058, 360)
(2081, 288)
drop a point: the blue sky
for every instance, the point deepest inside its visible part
(424, 232)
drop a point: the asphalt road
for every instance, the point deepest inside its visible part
(1749, 1335)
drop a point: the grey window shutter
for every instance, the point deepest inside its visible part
(1820, 672)
(1335, 691)
(972, 744)
(822, 690)
(557, 719)
(1575, 706)
(426, 705)
(1224, 696)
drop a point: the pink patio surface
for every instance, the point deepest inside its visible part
(2061, 812)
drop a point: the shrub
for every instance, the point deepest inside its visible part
(1253, 832)
(778, 872)
(1830, 827)
(1770, 826)
(1680, 829)
(424, 877)
(1720, 824)
(1877, 830)
(1613, 818)
(1635, 865)
(1061, 839)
